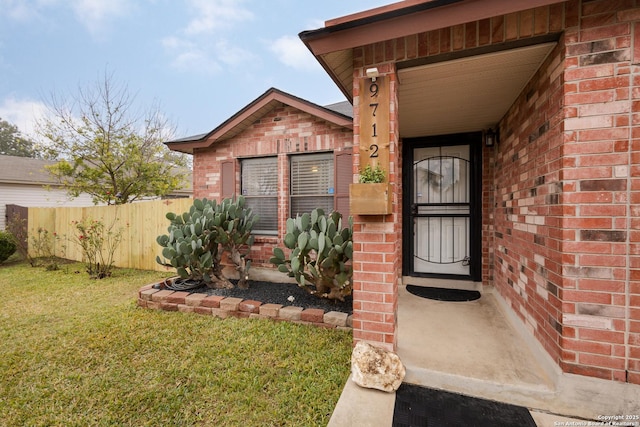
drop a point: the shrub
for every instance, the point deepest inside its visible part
(45, 247)
(98, 243)
(7, 245)
(198, 239)
(321, 254)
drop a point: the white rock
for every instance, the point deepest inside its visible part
(374, 367)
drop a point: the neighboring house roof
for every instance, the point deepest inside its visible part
(345, 108)
(30, 171)
(339, 113)
(25, 170)
(333, 44)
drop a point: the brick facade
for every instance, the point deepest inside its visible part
(600, 303)
(281, 132)
(560, 192)
(528, 214)
(377, 257)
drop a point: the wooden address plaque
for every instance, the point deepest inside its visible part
(374, 123)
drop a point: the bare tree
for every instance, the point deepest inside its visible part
(107, 149)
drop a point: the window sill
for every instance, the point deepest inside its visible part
(266, 239)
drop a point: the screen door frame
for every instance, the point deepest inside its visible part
(474, 141)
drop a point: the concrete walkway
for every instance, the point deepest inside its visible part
(480, 349)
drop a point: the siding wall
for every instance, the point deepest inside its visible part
(36, 196)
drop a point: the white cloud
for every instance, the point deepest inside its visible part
(94, 15)
(24, 10)
(23, 113)
(188, 56)
(196, 60)
(293, 53)
(232, 55)
(210, 15)
(195, 49)
(202, 57)
(16, 10)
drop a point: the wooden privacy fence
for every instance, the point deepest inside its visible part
(141, 224)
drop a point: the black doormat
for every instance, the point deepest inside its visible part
(424, 407)
(442, 294)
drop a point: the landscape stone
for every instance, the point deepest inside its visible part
(147, 293)
(194, 300)
(290, 313)
(377, 368)
(161, 296)
(336, 318)
(270, 310)
(314, 315)
(230, 304)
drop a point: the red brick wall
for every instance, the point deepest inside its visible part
(601, 295)
(564, 222)
(535, 22)
(561, 192)
(283, 131)
(528, 215)
(377, 257)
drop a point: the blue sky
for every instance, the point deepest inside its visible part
(200, 60)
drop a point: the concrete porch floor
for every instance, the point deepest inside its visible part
(479, 349)
(469, 348)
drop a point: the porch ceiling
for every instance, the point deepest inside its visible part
(467, 94)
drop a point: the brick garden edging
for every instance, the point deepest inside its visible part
(223, 307)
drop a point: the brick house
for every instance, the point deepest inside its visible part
(551, 217)
(509, 130)
(284, 154)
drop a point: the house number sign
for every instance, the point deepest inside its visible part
(374, 123)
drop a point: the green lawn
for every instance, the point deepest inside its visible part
(76, 351)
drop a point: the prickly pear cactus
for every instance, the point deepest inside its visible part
(321, 253)
(198, 238)
(234, 235)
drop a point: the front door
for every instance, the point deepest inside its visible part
(441, 228)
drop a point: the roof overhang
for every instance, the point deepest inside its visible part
(465, 94)
(243, 119)
(333, 44)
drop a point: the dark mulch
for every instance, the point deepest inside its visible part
(278, 293)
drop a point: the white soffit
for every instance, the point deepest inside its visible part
(467, 94)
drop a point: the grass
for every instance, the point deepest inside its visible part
(77, 351)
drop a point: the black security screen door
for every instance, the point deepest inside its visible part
(441, 230)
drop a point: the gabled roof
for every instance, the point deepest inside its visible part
(25, 170)
(243, 119)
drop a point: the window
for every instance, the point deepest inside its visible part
(312, 183)
(260, 189)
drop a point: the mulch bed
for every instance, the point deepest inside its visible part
(280, 293)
